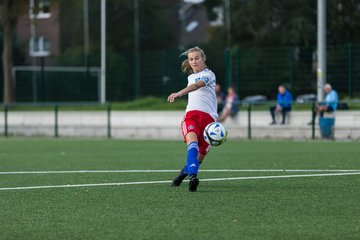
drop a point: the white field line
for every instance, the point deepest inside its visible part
(171, 171)
(168, 181)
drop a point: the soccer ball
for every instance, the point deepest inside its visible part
(215, 134)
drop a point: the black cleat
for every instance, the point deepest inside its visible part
(178, 180)
(194, 182)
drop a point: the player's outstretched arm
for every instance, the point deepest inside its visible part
(188, 89)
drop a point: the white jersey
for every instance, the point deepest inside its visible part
(204, 98)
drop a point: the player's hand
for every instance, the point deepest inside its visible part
(171, 97)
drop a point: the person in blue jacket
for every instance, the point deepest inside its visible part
(284, 101)
(329, 105)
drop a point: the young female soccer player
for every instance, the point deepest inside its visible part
(200, 111)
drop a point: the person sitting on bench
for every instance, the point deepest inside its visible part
(330, 103)
(284, 101)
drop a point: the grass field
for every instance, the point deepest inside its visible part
(316, 198)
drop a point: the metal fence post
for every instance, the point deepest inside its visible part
(227, 68)
(109, 120)
(165, 75)
(249, 121)
(293, 69)
(313, 121)
(56, 126)
(237, 71)
(350, 63)
(6, 120)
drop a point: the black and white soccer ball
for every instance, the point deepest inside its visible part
(215, 134)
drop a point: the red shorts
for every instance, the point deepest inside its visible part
(196, 121)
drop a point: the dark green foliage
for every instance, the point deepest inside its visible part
(290, 22)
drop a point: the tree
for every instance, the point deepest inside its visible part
(290, 22)
(273, 23)
(10, 10)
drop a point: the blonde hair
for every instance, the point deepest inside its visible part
(185, 65)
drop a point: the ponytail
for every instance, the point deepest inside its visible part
(185, 67)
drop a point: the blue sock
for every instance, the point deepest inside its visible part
(192, 164)
(184, 170)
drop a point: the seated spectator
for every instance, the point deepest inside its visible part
(231, 107)
(220, 97)
(284, 101)
(329, 104)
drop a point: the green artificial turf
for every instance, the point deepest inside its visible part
(318, 207)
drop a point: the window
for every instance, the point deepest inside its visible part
(39, 47)
(39, 9)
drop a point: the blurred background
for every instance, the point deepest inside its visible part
(254, 45)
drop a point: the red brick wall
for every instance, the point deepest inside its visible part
(48, 27)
